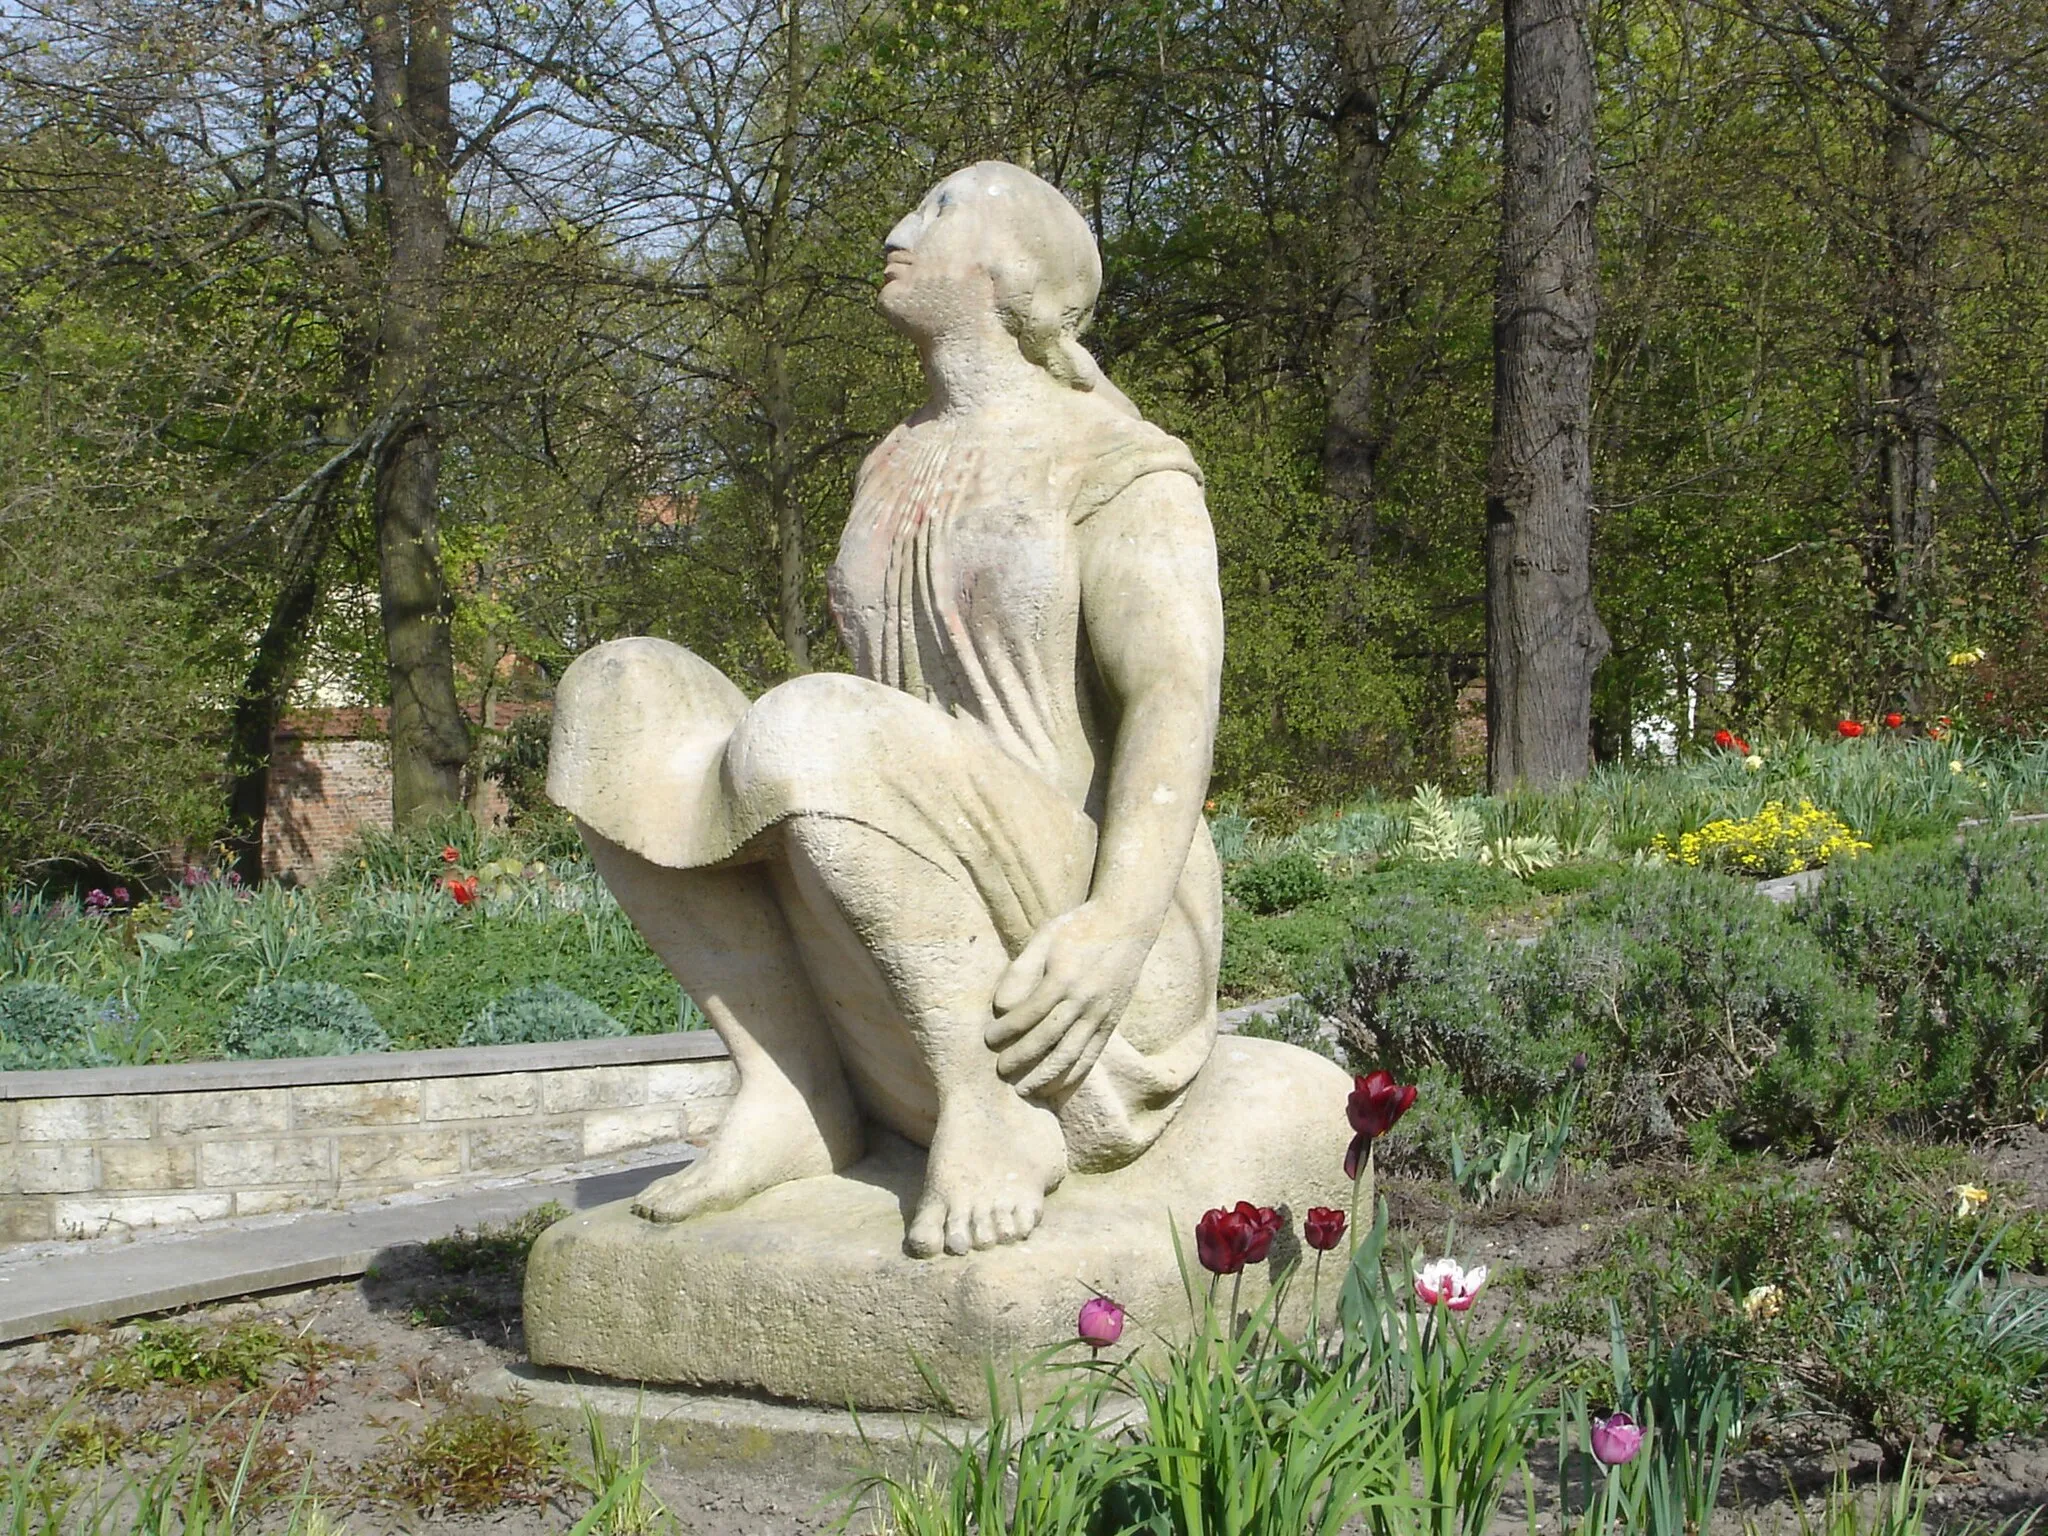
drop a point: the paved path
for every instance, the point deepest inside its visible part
(51, 1286)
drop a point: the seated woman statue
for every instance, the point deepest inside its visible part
(967, 893)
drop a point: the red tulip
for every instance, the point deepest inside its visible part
(451, 855)
(1322, 1229)
(1742, 746)
(1893, 721)
(464, 891)
(1377, 1102)
(1724, 738)
(1850, 729)
(1101, 1322)
(1226, 1241)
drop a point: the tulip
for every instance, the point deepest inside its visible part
(1376, 1103)
(120, 895)
(97, 898)
(1850, 729)
(1893, 721)
(464, 891)
(451, 855)
(1226, 1241)
(1742, 746)
(1446, 1282)
(1101, 1322)
(1616, 1439)
(1323, 1228)
(1753, 763)
(1724, 739)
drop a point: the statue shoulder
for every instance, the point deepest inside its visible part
(1110, 448)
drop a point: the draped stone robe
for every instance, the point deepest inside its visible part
(976, 732)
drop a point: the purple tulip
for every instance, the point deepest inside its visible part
(120, 895)
(96, 899)
(1616, 1439)
(1101, 1322)
(194, 875)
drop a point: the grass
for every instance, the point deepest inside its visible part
(470, 1461)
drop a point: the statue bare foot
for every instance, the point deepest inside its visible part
(764, 1141)
(993, 1160)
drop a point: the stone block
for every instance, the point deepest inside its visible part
(236, 1109)
(270, 1160)
(8, 1110)
(627, 1130)
(593, 1088)
(805, 1293)
(689, 1082)
(525, 1144)
(398, 1157)
(328, 1106)
(25, 1219)
(267, 1202)
(89, 1216)
(122, 1118)
(502, 1095)
(148, 1165)
(30, 1169)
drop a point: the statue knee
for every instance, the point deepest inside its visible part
(807, 744)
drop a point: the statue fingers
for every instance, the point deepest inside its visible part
(1027, 1050)
(1082, 1042)
(1023, 975)
(1029, 1015)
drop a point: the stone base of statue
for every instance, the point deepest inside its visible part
(804, 1293)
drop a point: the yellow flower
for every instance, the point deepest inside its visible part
(1752, 763)
(1955, 765)
(1764, 1301)
(1968, 658)
(1970, 1199)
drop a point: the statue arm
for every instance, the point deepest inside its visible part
(1154, 621)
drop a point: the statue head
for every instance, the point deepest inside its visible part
(994, 239)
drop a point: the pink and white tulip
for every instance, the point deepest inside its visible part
(1446, 1282)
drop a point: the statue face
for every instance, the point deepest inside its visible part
(938, 261)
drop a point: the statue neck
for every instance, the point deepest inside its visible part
(968, 371)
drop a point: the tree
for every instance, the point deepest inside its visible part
(1543, 638)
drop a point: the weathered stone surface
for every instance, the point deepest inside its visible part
(326, 1106)
(399, 1157)
(624, 1130)
(90, 1215)
(247, 1109)
(594, 1088)
(805, 1291)
(84, 1120)
(148, 1165)
(525, 1144)
(38, 1170)
(278, 1160)
(497, 1096)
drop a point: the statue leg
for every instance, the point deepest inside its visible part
(891, 922)
(722, 932)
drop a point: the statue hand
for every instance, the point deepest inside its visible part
(1059, 1001)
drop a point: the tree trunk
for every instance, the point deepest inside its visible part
(1351, 446)
(1543, 639)
(1909, 420)
(785, 506)
(412, 129)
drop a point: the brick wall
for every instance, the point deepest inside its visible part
(86, 1152)
(330, 777)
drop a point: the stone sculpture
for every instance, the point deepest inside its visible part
(963, 900)
(967, 893)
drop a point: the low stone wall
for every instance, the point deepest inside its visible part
(87, 1152)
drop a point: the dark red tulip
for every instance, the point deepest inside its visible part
(1323, 1228)
(1226, 1241)
(1724, 739)
(1376, 1103)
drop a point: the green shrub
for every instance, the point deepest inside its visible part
(1694, 999)
(44, 1027)
(301, 1018)
(1280, 884)
(1413, 989)
(533, 1014)
(1954, 937)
